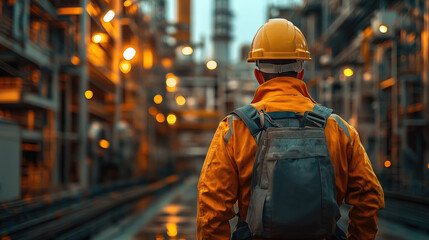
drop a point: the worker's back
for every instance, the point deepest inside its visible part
(354, 179)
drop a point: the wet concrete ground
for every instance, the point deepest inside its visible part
(173, 217)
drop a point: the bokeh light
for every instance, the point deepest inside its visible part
(129, 53)
(171, 119)
(89, 94)
(171, 229)
(180, 100)
(187, 51)
(348, 72)
(157, 99)
(125, 66)
(128, 3)
(103, 143)
(171, 82)
(109, 16)
(160, 117)
(387, 164)
(212, 65)
(75, 60)
(383, 28)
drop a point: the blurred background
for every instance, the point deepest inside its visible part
(108, 107)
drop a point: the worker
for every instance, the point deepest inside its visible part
(279, 49)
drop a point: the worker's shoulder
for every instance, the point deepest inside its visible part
(338, 123)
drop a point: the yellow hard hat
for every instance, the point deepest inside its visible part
(279, 39)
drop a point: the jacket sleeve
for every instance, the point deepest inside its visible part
(217, 189)
(364, 192)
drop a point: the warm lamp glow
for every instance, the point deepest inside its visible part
(383, 28)
(99, 37)
(157, 99)
(212, 65)
(171, 89)
(171, 82)
(75, 60)
(348, 72)
(171, 119)
(128, 3)
(109, 16)
(160, 118)
(89, 94)
(387, 164)
(96, 38)
(147, 58)
(153, 111)
(103, 143)
(166, 63)
(180, 100)
(125, 66)
(187, 51)
(129, 53)
(171, 229)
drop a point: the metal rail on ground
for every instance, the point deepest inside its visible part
(74, 217)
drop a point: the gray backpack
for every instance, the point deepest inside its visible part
(293, 180)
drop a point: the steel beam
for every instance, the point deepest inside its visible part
(84, 22)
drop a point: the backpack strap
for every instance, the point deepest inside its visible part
(319, 115)
(342, 125)
(250, 117)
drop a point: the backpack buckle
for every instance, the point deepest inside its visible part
(315, 118)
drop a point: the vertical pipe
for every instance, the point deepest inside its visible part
(425, 53)
(183, 8)
(377, 117)
(55, 122)
(67, 130)
(346, 96)
(84, 22)
(117, 75)
(357, 97)
(394, 99)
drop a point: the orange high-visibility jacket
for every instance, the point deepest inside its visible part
(226, 174)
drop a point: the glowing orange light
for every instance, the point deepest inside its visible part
(168, 75)
(171, 229)
(129, 53)
(160, 118)
(383, 28)
(89, 94)
(166, 63)
(75, 60)
(125, 66)
(96, 38)
(428, 165)
(147, 58)
(387, 164)
(171, 119)
(99, 37)
(172, 209)
(348, 72)
(171, 89)
(69, 11)
(212, 65)
(180, 100)
(103, 143)
(157, 99)
(109, 16)
(128, 3)
(153, 111)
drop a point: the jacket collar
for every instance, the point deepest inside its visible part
(281, 86)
